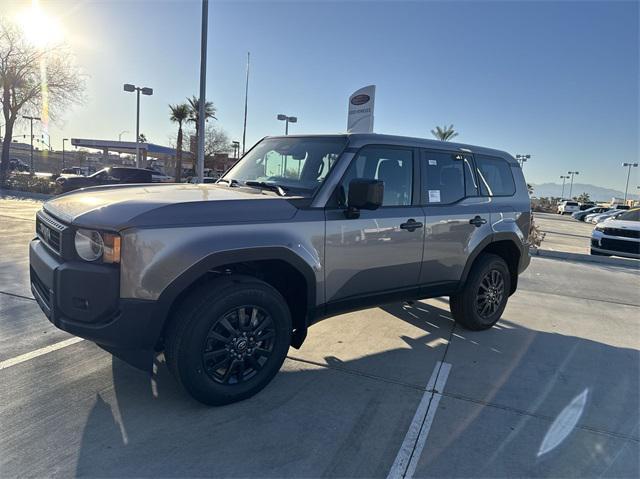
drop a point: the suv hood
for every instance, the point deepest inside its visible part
(119, 207)
(620, 224)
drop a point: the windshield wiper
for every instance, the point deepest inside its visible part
(281, 190)
(231, 182)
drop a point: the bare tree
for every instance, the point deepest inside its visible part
(32, 80)
(216, 140)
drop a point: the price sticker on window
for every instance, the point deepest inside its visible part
(434, 196)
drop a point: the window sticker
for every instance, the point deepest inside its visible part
(434, 196)
(433, 162)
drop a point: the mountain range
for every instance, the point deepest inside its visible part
(596, 193)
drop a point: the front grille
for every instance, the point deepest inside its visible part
(624, 233)
(620, 245)
(50, 231)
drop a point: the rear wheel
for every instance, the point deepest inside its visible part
(228, 339)
(484, 297)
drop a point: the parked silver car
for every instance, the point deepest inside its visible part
(225, 277)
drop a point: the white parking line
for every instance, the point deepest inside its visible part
(416, 437)
(38, 352)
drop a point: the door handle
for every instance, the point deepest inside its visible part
(477, 221)
(411, 225)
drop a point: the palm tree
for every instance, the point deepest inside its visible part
(194, 112)
(444, 134)
(179, 114)
(142, 138)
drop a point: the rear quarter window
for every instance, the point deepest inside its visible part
(494, 176)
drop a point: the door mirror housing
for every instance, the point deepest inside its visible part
(364, 194)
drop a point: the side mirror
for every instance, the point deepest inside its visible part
(364, 194)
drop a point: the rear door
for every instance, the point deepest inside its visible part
(457, 218)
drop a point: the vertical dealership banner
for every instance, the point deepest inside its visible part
(361, 103)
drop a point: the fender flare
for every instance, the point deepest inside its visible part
(214, 260)
(495, 237)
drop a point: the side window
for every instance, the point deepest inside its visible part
(394, 166)
(447, 177)
(494, 176)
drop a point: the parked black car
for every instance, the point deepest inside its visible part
(107, 176)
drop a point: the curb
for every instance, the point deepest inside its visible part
(586, 258)
(24, 195)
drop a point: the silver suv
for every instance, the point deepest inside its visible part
(225, 277)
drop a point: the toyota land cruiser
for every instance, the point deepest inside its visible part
(224, 277)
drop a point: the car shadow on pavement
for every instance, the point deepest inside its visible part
(333, 420)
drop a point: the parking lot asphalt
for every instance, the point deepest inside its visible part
(563, 233)
(552, 391)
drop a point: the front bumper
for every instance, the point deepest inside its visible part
(614, 245)
(83, 299)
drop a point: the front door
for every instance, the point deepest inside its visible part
(381, 251)
(457, 219)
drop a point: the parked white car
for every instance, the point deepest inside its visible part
(568, 207)
(619, 237)
(600, 217)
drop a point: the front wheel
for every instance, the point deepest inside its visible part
(228, 339)
(484, 297)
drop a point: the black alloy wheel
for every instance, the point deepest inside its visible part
(238, 345)
(490, 294)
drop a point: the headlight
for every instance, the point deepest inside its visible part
(93, 245)
(599, 228)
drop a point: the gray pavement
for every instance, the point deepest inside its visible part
(563, 233)
(552, 391)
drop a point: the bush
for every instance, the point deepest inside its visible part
(536, 237)
(31, 184)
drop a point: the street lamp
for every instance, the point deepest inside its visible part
(64, 140)
(628, 165)
(31, 118)
(563, 178)
(522, 159)
(145, 91)
(122, 133)
(287, 120)
(572, 173)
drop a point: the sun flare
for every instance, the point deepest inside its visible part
(40, 28)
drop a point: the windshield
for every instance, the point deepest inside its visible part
(298, 165)
(101, 173)
(632, 215)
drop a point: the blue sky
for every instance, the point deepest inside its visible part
(557, 80)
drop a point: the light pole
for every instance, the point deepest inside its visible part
(203, 88)
(572, 173)
(563, 178)
(31, 118)
(287, 120)
(64, 140)
(626, 188)
(522, 159)
(145, 91)
(122, 133)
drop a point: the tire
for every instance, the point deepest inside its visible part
(489, 270)
(598, 253)
(241, 325)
